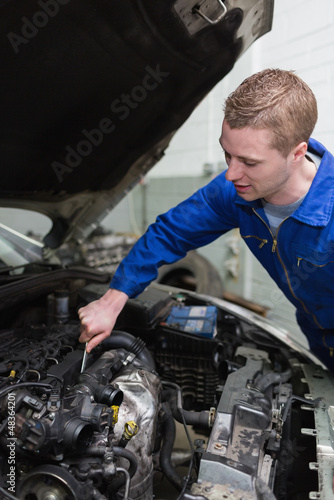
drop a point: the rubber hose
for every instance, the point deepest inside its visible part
(169, 433)
(127, 341)
(122, 452)
(272, 378)
(196, 418)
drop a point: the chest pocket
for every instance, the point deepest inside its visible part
(314, 267)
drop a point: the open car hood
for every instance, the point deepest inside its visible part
(92, 92)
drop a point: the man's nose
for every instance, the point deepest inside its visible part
(234, 170)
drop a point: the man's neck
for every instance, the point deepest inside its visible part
(299, 184)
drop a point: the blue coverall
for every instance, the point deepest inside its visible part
(300, 257)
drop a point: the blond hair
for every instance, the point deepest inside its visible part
(277, 100)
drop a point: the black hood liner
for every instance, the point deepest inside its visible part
(87, 87)
(92, 91)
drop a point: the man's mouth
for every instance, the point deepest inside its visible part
(242, 189)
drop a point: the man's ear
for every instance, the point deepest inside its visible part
(299, 151)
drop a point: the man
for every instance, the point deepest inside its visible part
(278, 189)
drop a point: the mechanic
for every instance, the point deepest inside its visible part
(278, 190)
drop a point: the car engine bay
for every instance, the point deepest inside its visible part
(176, 360)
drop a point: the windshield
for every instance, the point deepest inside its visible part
(26, 222)
(17, 250)
(10, 257)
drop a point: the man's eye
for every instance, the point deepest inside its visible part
(249, 164)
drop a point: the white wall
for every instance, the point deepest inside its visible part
(302, 39)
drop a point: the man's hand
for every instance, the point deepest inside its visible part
(99, 317)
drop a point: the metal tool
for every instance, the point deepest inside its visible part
(84, 359)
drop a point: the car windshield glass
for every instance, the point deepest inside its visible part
(10, 257)
(26, 222)
(21, 234)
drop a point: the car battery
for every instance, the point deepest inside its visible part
(199, 320)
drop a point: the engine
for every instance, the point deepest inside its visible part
(112, 429)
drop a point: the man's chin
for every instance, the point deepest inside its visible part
(247, 195)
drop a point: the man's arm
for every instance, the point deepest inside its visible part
(99, 317)
(207, 214)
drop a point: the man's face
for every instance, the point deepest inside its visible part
(256, 170)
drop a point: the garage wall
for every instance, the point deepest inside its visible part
(302, 39)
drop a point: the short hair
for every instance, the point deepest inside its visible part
(277, 100)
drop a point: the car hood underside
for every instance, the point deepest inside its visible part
(92, 92)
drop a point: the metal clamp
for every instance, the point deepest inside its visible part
(207, 19)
